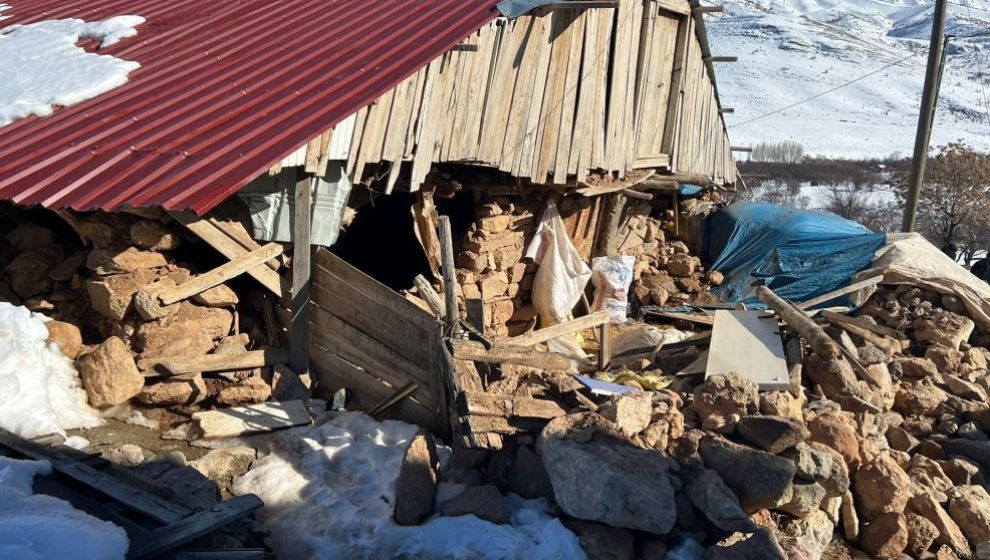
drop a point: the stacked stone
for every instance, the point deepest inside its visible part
(97, 291)
(491, 266)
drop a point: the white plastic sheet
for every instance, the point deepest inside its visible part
(911, 259)
(612, 277)
(562, 275)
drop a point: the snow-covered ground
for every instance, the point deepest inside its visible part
(41, 65)
(790, 50)
(329, 493)
(40, 392)
(39, 527)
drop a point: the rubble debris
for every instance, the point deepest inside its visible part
(109, 374)
(483, 502)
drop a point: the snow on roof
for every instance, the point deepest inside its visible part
(42, 65)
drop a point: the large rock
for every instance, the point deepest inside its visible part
(217, 296)
(947, 329)
(919, 398)
(29, 274)
(28, 237)
(757, 545)
(949, 533)
(113, 262)
(67, 336)
(598, 477)
(190, 332)
(774, 434)
(921, 534)
(109, 374)
(927, 475)
(723, 395)
(881, 487)
(837, 432)
(964, 389)
(112, 296)
(251, 390)
(835, 376)
(416, 487)
(885, 536)
(483, 502)
(287, 385)
(179, 390)
(805, 500)
(631, 413)
(153, 235)
(715, 500)
(969, 507)
(760, 480)
(147, 303)
(812, 463)
(918, 368)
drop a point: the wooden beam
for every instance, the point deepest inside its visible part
(820, 341)
(236, 231)
(857, 322)
(220, 274)
(873, 281)
(429, 295)
(721, 59)
(229, 248)
(201, 523)
(561, 329)
(465, 47)
(708, 10)
(175, 365)
(689, 178)
(604, 346)
(476, 351)
(449, 279)
(301, 273)
(744, 149)
(726, 110)
(636, 194)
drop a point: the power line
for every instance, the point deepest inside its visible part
(828, 91)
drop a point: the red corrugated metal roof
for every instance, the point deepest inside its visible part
(226, 89)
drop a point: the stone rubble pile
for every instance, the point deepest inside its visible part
(880, 459)
(106, 321)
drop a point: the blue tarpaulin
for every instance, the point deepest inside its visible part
(799, 254)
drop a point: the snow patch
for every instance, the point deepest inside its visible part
(40, 392)
(41, 65)
(329, 493)
(39, 527)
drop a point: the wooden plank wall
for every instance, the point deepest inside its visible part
(552, 96)
(366, 337)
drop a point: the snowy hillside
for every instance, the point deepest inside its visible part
(790, 50)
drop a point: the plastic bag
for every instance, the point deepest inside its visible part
(562, 275)
(612, 277)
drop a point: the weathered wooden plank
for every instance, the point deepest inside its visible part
(302, 271)
(175, 365)
(841, 292)
(228, 248)
(230, 269)
(561, 329)
(251, 419)
(196, 525)
(476, 351)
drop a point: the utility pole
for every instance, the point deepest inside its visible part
(929, 97)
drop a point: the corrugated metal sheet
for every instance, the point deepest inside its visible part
(227, 89)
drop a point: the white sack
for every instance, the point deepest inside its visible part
(562, 275)
(612, 277)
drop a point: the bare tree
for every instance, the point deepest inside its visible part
(955, 198)
(785, 151)
(861, 205)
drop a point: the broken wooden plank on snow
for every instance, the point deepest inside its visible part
(175, 365)
(555, 331)
(743, 342)
(521, 355)
(201, 523)
(231, 269)
(251, 419)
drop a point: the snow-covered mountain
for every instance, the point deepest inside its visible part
(790, 50)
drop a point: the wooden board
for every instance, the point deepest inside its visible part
(745, 343)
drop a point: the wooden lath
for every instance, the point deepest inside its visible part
(551, 96)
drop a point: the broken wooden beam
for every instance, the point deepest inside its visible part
(201, 523)
(687, 178)
(220, 274)
(721, 59)
(484, 404)
(429, 295)
(708, 10)
(251, 419)
(476, 351)
(726, 111)
(302, 271)
(229, 248)
(872, 281)
(449, 278)
(560, 329)
(889, 345)
(176, 365)
(820, 341)
(636, 194)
